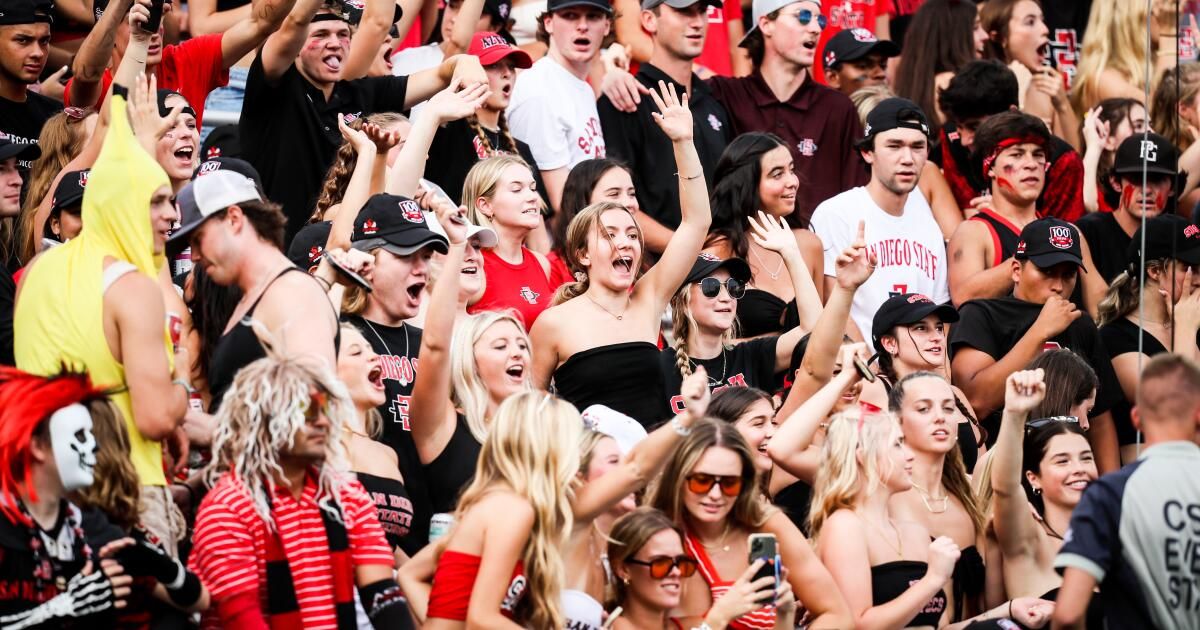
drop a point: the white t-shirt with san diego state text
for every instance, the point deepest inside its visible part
(910, 252)
(554, 112)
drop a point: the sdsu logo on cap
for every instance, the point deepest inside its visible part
(1191, 231)
(918, 298)
(411, 211)
(1061, 237)
(369, 227)
(315, 252)
(863, 35)
(1020, 247)
(208, 168)
(830, 58)
(83, 177)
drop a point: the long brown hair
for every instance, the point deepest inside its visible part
(581, 227)
(628, 535)
(115, 490)
(946, 43)
(61, 140)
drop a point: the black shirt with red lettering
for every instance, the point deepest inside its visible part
(747, 364)
(398, 347)
(994, 326)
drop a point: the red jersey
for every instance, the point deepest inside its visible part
(715, 55)
(193, 68)
(523, 287)
(842, 15)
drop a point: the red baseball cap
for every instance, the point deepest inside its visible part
(492, 47)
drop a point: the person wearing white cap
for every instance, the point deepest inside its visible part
(237, 238)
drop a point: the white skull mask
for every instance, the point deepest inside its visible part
(74, 446)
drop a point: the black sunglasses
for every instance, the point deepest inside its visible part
(711, 287)
(660, 566)
(1034, 425)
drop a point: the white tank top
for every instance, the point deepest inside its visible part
(581, 610)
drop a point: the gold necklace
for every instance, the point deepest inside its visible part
(926, 498)
(778, 268)
(899, 546)
(598, 305)
(720, 545)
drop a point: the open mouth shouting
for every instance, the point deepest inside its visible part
(184, 153)
(332, 62)
(375, 377)
(1043, 52)
(414, 293)
(516, 372)
(582, 44)
(624, 264)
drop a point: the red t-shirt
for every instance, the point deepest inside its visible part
(193, 68)
(230, 546)
(843, 15)
(715, 55)
(523, 288)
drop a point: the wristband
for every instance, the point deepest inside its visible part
(686, 178)
(187, 387)
(677, 426)
(188, 591)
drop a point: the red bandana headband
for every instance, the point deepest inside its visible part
(1006, 143)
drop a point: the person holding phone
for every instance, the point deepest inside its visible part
(710, 489)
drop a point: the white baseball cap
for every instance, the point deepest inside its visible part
(767, 7)
(626, 431)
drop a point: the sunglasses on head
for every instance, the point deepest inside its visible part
(711, 287)
(805, 16)
(1038, 423)
(702, 483)
(660, 566)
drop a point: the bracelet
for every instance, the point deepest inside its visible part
(677, 426)
(685, 178)
(187, 387)
(1010, 609)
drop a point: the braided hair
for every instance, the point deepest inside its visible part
(489, 150)
(682, 324)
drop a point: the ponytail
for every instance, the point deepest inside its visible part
(1124, 294)
(681, 327)
(571, 290)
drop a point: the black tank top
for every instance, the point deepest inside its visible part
(1004, 234)
(622, 376)
(453, 468)
(762, 313)
(889, 581)
(240, 347)
(968, 580)
(394, 509)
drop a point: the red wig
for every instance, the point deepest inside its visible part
(26, 401)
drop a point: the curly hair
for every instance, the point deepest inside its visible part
(337, 178)
(115, 490)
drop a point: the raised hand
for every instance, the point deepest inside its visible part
(1024, 390)
(452, 218)
(673, 115)
(847, 354)
(773, 234)
(943, 553)
(357, 138)
(139, 14)
(457, 102)
(855, 264)
(357, 261)
(1049, 81)
(147, 125)
(384, 140)
(1095, 130)
(1184, 309)
(1057, 314)
(696, 395)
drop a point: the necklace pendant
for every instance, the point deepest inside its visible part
(620, 317)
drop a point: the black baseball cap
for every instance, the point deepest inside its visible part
(10, 149)
(353, 10)
(707, 263)
(558, 5)
(1048, 242)
(856, 43)
(396, 224)
(1167, 236)
(241, 167)
(222, 141)
(906, 309)
(27, 12)
(1158, 154)
(69, 192)
(678, 4)
(308, 246)
(895, 113)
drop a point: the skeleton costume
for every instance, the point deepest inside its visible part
(41, 579)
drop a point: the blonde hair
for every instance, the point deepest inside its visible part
(581, 227)
(750, 510)
(482, 181)
(867, 98)
(1176, 85)
(1125, 293)
(61, 140)
(628, 535)
(374, 421)
(588, 442)
(469, 392)
(1117, 42)
(849, 467)
(682, 324)
(263, 410)
(533, 450)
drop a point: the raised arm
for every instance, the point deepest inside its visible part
(430, 416)
(246, 34)
(95, 53)
(359, 188)
(969, 275)
(941, 200)
(204, 18)
(1012, 519)
(664, 278)
(774, 235)
(1095, 132)
(449, 104)
(464, 27)
(281, 48)
(643, 462)
(424, 84)
(371, 33)
(792, 447)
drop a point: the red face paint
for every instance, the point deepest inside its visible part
(1127, 193)
(1160, 200)
(1003, 182)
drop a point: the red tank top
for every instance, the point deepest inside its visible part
(455, 578)
(522, 287)
(761, 619)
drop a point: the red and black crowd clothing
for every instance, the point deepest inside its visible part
(1062, 197)
(523, 287)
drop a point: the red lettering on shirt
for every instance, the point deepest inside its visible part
(588, 141)
(901, 252)
(737, 380)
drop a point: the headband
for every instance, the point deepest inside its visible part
(1006, 143)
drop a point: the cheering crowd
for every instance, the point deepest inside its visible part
(585, 314)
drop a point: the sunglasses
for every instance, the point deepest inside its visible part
(702, 483)
(316, 405)
(1034, 425)
(660, 566)
(804, 16)
(711, 287)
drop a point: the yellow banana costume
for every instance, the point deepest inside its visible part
(59, 315)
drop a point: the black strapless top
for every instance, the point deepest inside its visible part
(762, 313)
(890, 579)
(969, 579)
(623, 376)
(453, 469)
(394, 509)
